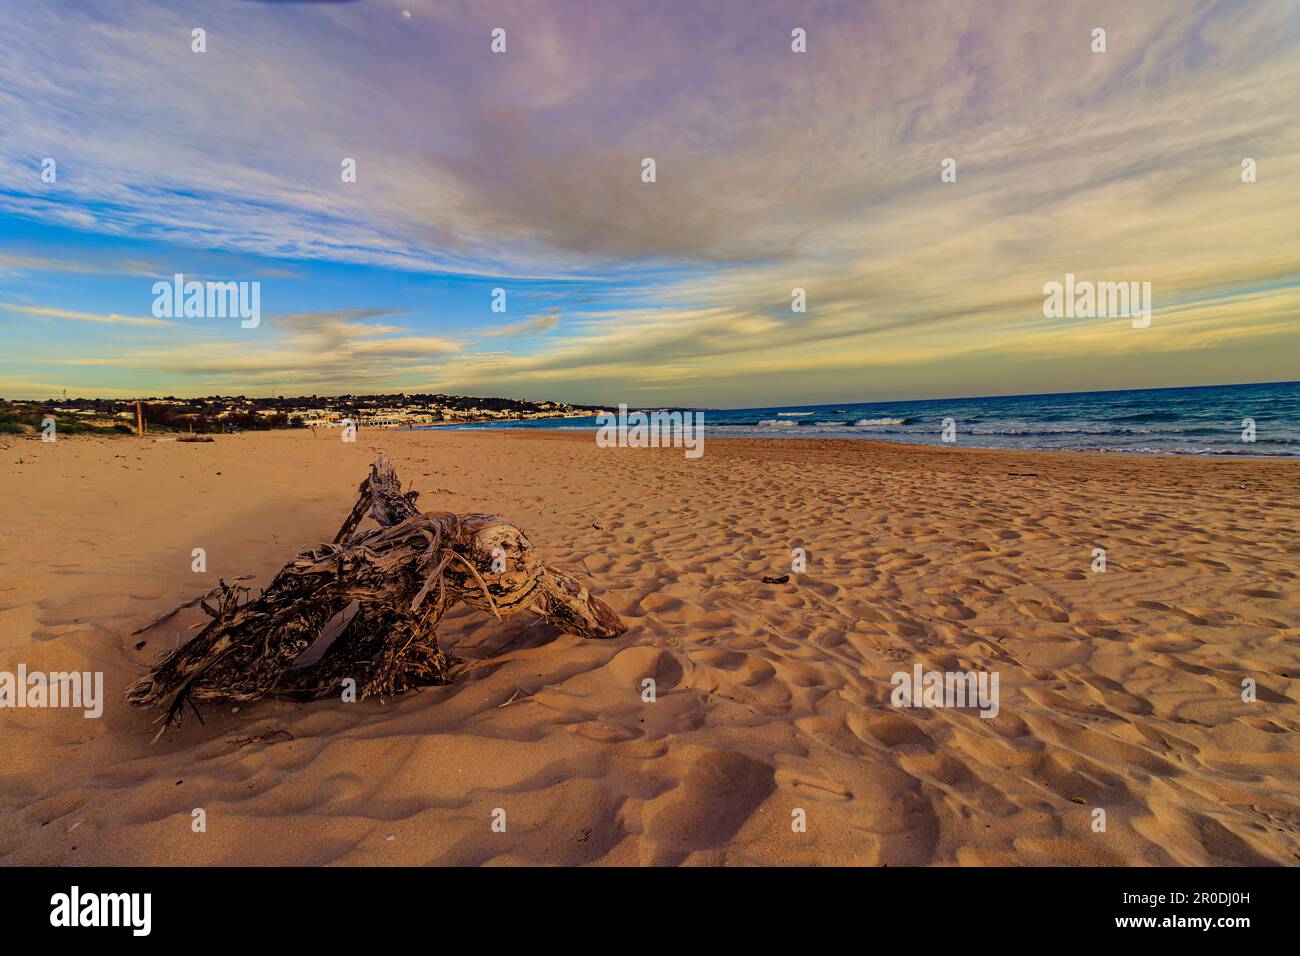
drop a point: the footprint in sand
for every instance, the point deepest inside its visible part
(717, 795)
(1042, 611)
(633, 665)
(892, 730)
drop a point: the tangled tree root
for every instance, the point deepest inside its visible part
(403, 576)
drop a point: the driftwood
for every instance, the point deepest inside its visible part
(402, 577)
(213, 592)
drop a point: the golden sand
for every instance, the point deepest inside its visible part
(1119, 691)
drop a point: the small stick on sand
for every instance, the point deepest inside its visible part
(513, 697)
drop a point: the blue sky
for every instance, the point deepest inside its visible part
(522, 170)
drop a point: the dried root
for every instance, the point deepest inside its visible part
(401, 577)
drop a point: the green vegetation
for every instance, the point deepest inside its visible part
(16, 419)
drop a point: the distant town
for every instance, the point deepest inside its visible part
(218, 413)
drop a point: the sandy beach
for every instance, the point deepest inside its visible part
(1120, 691)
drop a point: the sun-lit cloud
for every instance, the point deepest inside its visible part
(538, 324)
(44, 312)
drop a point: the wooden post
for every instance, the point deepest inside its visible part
(139, 419)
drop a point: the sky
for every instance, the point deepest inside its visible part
(522, 170)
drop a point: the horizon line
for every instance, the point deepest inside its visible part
(717, 408)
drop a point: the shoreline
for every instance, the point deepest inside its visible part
(816, 440)
(798, 443)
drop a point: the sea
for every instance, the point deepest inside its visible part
(1203, 420)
